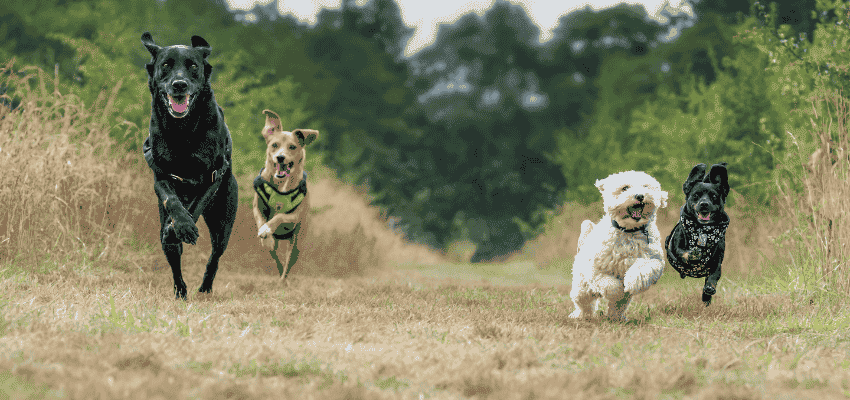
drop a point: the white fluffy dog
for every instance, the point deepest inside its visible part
(622, 254)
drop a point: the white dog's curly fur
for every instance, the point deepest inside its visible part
(622, 254)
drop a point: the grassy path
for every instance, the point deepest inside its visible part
(494, 331)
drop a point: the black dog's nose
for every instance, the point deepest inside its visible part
(180, 86)
(639, 197)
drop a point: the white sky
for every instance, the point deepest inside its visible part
(426, 15)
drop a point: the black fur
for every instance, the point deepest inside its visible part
(189, 151)
(704, 209)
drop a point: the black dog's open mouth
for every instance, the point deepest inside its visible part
(635, 211)
(704, 217)
(283, 170)
(179, 107)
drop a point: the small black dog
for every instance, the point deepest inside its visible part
(696, 246)
(189, 150)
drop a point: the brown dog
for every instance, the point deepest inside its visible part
(281, 201)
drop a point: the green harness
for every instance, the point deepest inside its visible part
(280, 202)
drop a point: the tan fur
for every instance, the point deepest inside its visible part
(292, 146)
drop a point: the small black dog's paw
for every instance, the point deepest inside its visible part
(184, 228)
(693, 256)
(707, 292)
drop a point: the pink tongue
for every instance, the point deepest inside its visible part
(179, 107)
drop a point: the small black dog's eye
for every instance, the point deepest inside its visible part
(194, 66)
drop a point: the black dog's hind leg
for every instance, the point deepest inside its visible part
(219, 216)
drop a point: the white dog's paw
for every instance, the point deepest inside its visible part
(577, 314)
(642, 275)
(264, 231)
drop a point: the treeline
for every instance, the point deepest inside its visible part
(483, 134)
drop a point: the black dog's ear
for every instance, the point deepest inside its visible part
(201, 44)
(719, 175)
(147, 40)
(696, 175)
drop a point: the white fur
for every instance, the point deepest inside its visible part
(614, 264)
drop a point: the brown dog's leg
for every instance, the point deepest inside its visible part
(273, 253)
(285, 247)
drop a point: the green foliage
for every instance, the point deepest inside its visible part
(244, 91)
(482, 135)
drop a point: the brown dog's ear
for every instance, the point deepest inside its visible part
(306, 136)
(272, 123)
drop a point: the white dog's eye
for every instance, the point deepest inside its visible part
(625, 188)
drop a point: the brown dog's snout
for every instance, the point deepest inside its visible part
(280, 159)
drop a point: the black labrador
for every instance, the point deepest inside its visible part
(697, 244)
(189, 150)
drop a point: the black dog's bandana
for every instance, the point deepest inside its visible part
(280, 202)
(706, 237)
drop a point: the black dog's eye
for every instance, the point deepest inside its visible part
(168, 63)
(194, 66)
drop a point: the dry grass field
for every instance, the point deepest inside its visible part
(88, 311)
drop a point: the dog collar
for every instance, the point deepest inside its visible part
(216, 174)
(641, 228)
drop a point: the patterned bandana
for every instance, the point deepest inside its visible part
(706, 237)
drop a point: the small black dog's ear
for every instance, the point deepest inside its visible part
(201, 44)
(696, 175)
(147, 40)
(719, 175)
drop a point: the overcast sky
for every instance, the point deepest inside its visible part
(426, 15)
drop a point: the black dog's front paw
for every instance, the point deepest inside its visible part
(707, 292)
(184, 228)
(693, 256)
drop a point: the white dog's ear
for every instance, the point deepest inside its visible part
(600, 184)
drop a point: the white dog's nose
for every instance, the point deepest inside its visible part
(639, 197)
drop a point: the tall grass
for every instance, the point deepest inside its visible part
(71, 195)
(814, 195)
(65, 194)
